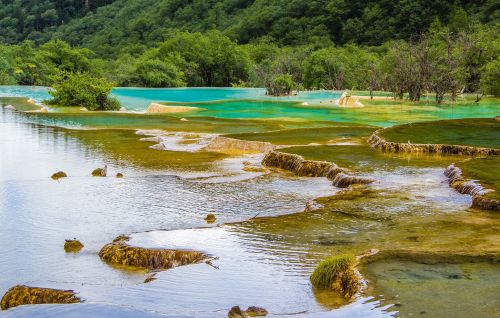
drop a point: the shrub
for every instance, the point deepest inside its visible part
(84, 90)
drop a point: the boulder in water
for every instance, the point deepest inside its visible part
(73, 246)
(235, 312)
(58, 175)
(100, 172)
(119, 252)
(10, 107)
(25, 295)
(254, 311)
(119, 175)
(210, 218)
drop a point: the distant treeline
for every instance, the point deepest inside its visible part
(110, 26)
(441, 61)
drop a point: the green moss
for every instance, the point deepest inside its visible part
(486, 171)
(481, 132)
(304, 136)
(20, 103)
(337, 273)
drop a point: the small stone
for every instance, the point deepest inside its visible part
(255, 311)
(73, 246)
(119, 175)
(210, 218)
(10, 107)
(235, 312)
(149, 279)
(59, 175)
(100, 172)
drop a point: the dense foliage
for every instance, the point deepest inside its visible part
(82, 89)
(410, 48)
(108, 26)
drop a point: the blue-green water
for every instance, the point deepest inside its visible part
(252, 103)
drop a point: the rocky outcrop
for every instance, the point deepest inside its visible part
(346, 100)
(380, 143)
(472, 188)
(155, 108)
(25, 295)
(73, 246)
(312, 168)
(232, 145)
(119, 252)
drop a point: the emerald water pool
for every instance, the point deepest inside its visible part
(265, 243)
(250, 103)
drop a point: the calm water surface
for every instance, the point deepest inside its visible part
(263, 261)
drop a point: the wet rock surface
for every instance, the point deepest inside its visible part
(470, 187)
(25, 295)
(119, 252)
(72, 246)
(312, 168)
(58, 175)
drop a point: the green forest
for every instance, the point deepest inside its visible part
(405, 47)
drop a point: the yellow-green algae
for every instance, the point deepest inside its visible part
(25, 295)
(304, 136)
(364, 158)
(337, 273)
(120, 253)
(480, 132)
(19, 103)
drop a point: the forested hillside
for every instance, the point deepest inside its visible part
(407, 47)
(107, 29)
(38, 19)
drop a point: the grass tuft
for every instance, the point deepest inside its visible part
(337, 273)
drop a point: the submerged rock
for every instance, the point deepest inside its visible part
(254, 311)
(313, 206)
(58, 175)
(119, 252)
(343, 180)
(210, 218)
(72, 246)
(150, 278)
(25, 295)
(100, 172)
(233, 145)
(235, 312)
(119, 175)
